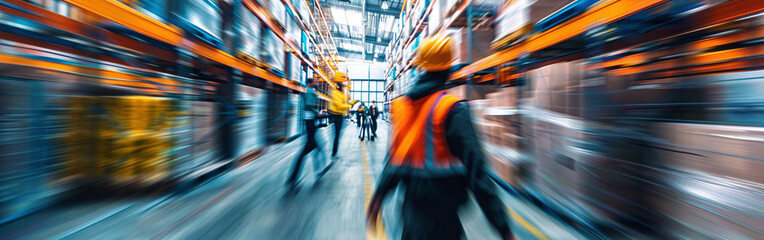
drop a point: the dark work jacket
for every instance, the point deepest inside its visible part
(445, 194)
(373, 111)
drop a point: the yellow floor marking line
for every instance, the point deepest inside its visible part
(527, 225)
(378, 231)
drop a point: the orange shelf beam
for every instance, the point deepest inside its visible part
(103, 75)
(44, 16)
(139, 22)
(131, 18)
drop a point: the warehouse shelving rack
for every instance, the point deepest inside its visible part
(147, 57)
(602, 13)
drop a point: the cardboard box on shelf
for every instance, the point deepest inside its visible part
(480, 45)
(485, 132)
(540, 83)
(559, 99)
(575, 101)
(504, 97)
(508, 140)
(495, 99)
(721, 150)
(556, 87)
(482, 129)
(459, 91)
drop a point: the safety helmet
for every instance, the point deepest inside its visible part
(434, 54)
(340, 77)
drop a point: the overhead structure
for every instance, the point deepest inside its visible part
(362, 29)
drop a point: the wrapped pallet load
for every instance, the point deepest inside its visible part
(293, 30)
(303, 10)
(277, 9)
(293, 115)
(249, 28)
(250, 128)
(202, 19)
(272, 52)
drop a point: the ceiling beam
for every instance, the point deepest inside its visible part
(368, 55)
(378, 10)
(369, 8)
(349, 51)
(369, 40)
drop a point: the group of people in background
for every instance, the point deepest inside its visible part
(366, 119)
(337, 110)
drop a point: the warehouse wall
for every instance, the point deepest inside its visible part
(367, 81)
(366, 70)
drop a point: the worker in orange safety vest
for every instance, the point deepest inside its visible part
(435, 156)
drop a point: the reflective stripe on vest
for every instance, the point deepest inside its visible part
(418, 140)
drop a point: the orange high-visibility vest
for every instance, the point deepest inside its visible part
(418, 140)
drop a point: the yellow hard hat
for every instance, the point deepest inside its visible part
(340, 77)
(434, 54)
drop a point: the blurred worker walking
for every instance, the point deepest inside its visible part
(436, 156)
(338, 108)
(310, 114)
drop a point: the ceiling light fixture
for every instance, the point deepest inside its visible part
(385, 5)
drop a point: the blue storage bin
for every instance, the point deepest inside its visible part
(202, 20)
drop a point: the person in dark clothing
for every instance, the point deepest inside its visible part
(433, 193)
(359, 114)
(310, 114)
(365, 123)
(373, 114)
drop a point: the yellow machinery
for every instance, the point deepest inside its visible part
(119, 137)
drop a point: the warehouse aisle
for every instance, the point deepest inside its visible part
(245, 203)
(251, 203)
